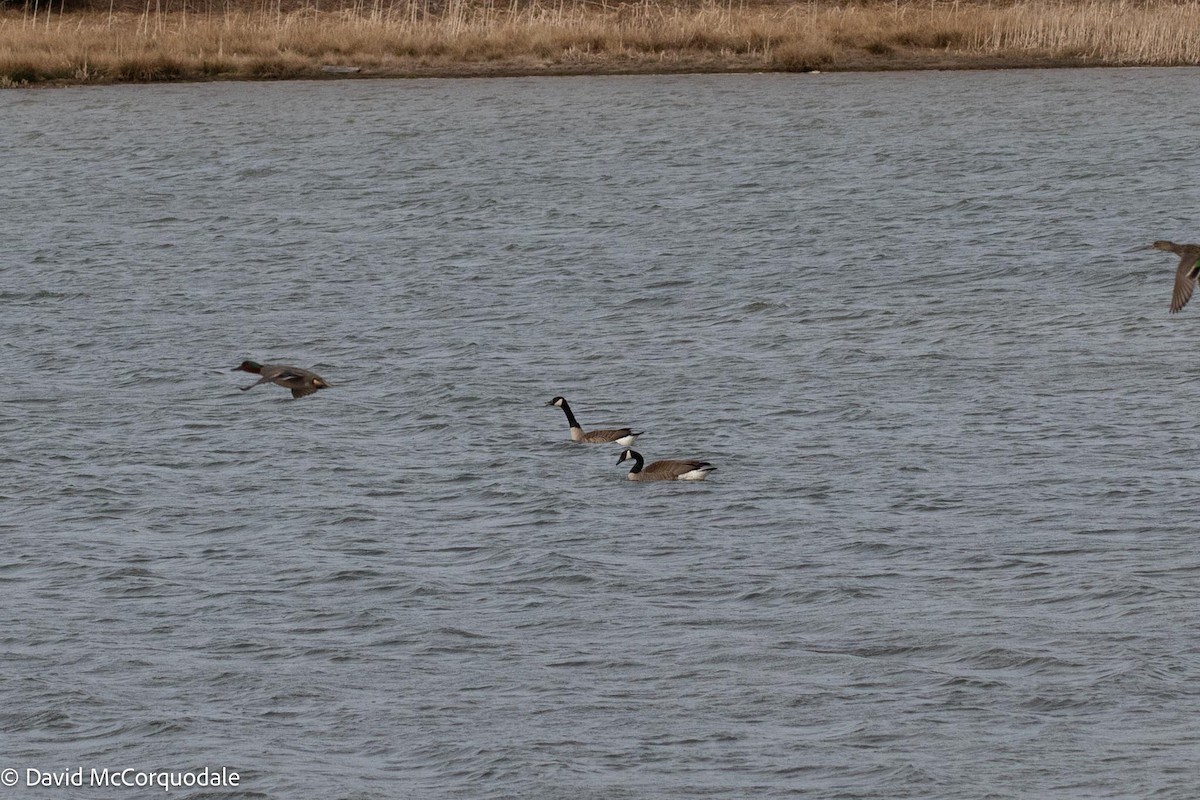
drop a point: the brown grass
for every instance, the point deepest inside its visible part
(40, 43)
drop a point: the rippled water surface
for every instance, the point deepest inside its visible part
(950, 550)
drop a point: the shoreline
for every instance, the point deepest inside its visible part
(502, 71)
(476, 39)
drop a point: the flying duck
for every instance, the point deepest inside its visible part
(1185, 276)
(624, 436)
(665, 470)
(300, 381)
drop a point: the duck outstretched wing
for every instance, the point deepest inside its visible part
(1185, 281)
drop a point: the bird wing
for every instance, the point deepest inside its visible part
(607, 435)
(1185, 282)
(672, 469)
(304, 391)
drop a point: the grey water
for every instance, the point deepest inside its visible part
(950, 549)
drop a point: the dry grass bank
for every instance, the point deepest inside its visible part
(40, 43)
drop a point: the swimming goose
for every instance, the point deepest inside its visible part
(300, 381)
(624, 436)
(665, 470)
(1185, 276)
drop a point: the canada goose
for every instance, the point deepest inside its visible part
(665, 470)
(300, 381)
(624, 436)
(1185, 276)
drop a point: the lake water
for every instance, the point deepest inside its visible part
(950, 550)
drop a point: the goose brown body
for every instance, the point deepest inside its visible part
(625, 436)
(667, 470)
(1185, 274)
(302, 382)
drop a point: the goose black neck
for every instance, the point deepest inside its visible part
(571, 421)
(637, 462)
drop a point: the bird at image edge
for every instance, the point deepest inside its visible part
(301, 381)
(1185, 275)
